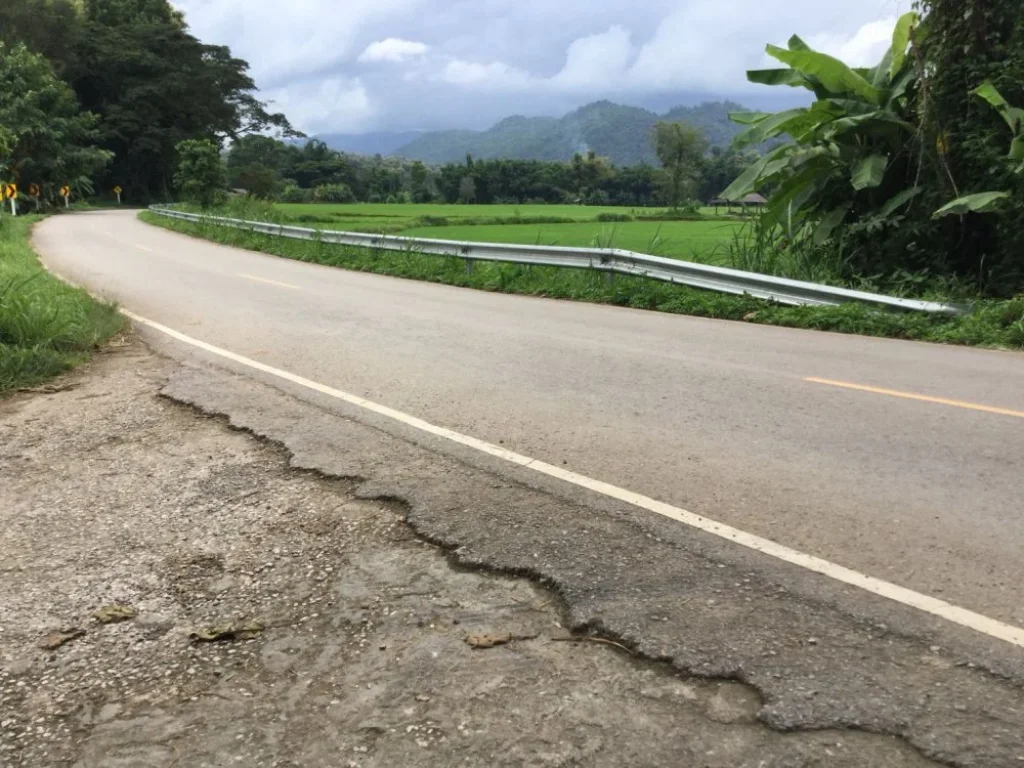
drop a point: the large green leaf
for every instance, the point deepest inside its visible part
(869, 172)
(882, 74)
(788, 77)
(833, 74)
(749, 180)
(767, 128)
(900, 42)
(796, 43)
(1017, 148)
(1014, 116)
(829, 222)
(980, 202)
(897, 201)
(749, 118)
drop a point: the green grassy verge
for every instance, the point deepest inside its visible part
(46, 326)
(996, 324)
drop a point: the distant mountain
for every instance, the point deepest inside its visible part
(378, 143)
(620, 133)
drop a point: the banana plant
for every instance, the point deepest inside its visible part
(849, 153)
(988, 202)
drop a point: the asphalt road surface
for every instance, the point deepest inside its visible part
(899, 460)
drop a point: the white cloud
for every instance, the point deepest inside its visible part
(393, 49)
(597, 61)
(494, 75)
(865, 49)
(486, 59)
(284, 41)
(322, 106)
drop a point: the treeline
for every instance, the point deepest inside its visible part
(312, 172)
(99, 93)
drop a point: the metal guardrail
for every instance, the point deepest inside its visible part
(612, 260)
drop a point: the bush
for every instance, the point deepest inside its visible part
(333, 193)
(614, 217)
(295, 194)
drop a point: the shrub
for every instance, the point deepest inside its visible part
(295, 194)
(333, 193)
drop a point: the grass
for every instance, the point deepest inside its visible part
(992, 323)
(46, 326)
(644, 230)
(692, 240)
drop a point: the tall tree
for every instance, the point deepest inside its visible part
(681, 149)
(46, 138)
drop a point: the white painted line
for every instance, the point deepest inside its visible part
(269, 282)
(142, 247)
(926, 603)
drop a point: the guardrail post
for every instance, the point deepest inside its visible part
(469, 266)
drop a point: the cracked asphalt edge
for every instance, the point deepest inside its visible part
(663, 591)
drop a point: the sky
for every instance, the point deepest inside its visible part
(355, 66)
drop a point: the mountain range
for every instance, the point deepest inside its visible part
(620, 133)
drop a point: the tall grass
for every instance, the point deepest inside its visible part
(999, 324)
(46, 327)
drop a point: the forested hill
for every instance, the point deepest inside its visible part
(620, 133)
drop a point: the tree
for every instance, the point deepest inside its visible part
(467, 190)
(201, 176)
(966, 44)
(418, 179)
(46, 138)
(681, 149)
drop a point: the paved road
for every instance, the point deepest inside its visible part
(714, 417)
(913, 479)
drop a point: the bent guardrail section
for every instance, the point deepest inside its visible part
(722, 279)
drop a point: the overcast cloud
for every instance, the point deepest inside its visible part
(361, 65)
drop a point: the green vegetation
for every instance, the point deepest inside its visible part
(144, 85)
(44, 136)
(201, 175)
(46, 327)
(995, 323)
(696, 236)
(901, 168)
(681, 149)
(705, 241)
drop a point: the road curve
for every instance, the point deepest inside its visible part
(900, 460)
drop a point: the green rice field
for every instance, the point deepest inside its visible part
(566, 225)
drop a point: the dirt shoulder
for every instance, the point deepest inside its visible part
(353, 637)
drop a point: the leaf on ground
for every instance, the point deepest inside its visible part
(227, 633)
(111, 614)
(55, 640)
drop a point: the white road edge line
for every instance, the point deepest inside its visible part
(142, 247)
(926, 603)
(269, 282)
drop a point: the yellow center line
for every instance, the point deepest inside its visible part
(921, 398)
(269, 282)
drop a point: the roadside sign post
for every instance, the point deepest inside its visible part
(11, 191)
(117, 191)
(34, 192)
(65, 192)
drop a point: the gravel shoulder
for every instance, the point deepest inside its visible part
(343, 637)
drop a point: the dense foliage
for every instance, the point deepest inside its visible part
(875, 165)
(620, 133)
(272, 169)
(152, 85)
(45, 138)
